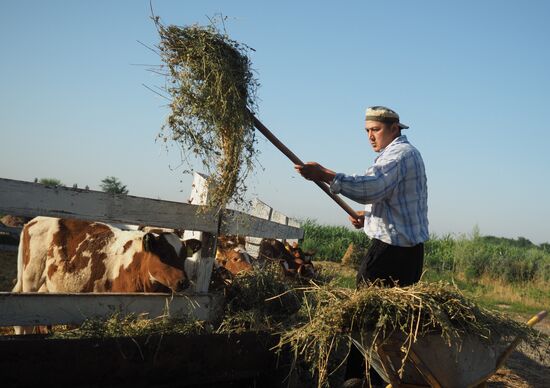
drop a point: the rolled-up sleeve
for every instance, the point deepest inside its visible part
(372, 187)
(335, 185)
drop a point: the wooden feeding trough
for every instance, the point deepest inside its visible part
(431, 362)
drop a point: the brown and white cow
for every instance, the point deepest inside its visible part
(232, 255)
(66, 255)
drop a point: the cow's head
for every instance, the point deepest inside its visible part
(166, 260)
(293, 260)
(298, 253)
(234, 260)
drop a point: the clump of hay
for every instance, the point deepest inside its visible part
(333, 314)
(263, 300)
(213, 94)
(132, 325)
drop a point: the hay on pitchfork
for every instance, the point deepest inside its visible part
(212, 89)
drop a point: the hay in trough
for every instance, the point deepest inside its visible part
(332, 314)
(263, 300)
(132, 325)
(213, 94)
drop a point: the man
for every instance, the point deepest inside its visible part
(394, 191)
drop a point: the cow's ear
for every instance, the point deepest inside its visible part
(149, 240)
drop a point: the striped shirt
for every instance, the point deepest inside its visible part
(395, 192)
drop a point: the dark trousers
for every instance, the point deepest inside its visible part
(395, 266)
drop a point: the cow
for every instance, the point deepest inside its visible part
(72, 256)
(294, 261)
(231, 254)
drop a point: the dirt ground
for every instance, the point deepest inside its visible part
(522, 369)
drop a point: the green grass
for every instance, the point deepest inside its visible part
(330, 242)
(496, 295)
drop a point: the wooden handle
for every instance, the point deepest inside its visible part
(296, 160)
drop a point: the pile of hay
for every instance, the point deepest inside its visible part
(213, 94)
(332, 314)
(263, 300)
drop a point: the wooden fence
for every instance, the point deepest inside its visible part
(33, 199)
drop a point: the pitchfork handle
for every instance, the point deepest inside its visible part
(296, 160)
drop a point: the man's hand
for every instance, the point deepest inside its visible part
(358, 223)
(315, 172)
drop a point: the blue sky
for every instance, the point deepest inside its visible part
(470, 78)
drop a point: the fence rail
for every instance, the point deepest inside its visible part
(70, 309)
(34, 199)
(11, 230)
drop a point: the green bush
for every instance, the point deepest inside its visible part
(498, 258)
(475, 256)
(331, 242)
(439, 253)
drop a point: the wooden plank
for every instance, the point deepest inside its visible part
(296, 224)
(156, 360)
(263, 211)
(27, 309)
(15, 231)
(199, 266)
(9, 248)
(34, 199)
(278, 217)
(234, 222)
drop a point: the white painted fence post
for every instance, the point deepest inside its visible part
(263, 211)
(199, 266)
(296, 224)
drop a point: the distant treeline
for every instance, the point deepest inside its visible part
(474, 256)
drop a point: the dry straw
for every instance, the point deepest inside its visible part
(132, 325)
(332, 314)
(213, 94)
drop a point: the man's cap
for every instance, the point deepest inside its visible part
(383, 114)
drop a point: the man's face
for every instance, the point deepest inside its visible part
(381, 134)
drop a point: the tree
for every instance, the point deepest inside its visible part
(545, 247)
(50, 182)
(523, 242)
(112, 185)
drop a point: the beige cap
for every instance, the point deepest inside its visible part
(383, 114)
